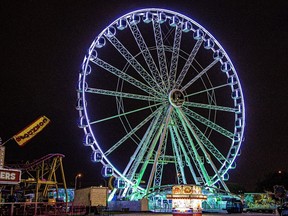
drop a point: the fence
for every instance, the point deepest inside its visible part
(40, 208)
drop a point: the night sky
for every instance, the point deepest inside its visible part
(43, 44)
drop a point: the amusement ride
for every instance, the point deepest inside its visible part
(160, 103)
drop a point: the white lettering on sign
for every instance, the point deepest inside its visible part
(7, 175)
(10, 176)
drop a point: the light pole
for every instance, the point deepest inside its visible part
(177, 178)
(76, 177)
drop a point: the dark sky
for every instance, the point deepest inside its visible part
(43, 44)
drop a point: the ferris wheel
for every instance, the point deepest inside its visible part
(160, 103)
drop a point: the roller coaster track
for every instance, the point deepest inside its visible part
(34, 165)
(42, 173)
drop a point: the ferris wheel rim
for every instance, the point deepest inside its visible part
(85, 113)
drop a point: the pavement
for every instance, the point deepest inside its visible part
(206, 214)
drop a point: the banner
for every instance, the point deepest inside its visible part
(30, 131)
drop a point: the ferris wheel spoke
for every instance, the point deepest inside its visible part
(160, 52)
(124, 114)
(147, 55)
(149, 154)
(129, 134)
(160, 164)
(175, 54)
(199, 75)
(133, 62)
(192, 148)
(122, 94)
(184, 140)
(179, 163)
(208, 90)
(180, 176)
(208, 123)
(187, 146)
(167, 35)
(175, 133)
(210, 107)
(188, 63)
(148, 148)
(207, 156)
(160, 146)
(139, 155)
(207, 143)
(125, 77)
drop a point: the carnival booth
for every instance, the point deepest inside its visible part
(186, 200)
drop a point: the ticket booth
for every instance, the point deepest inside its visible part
(186, 200)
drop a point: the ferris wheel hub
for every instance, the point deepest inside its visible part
(176, 98)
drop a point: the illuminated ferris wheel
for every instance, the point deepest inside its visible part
(160, 103)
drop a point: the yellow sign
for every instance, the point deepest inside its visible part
(30, 131)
